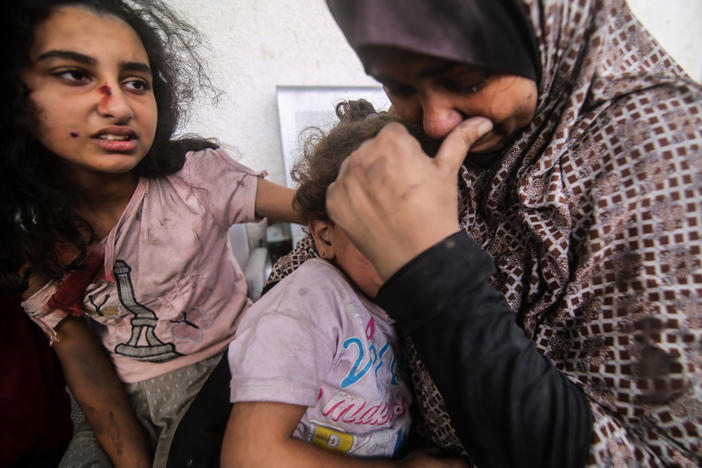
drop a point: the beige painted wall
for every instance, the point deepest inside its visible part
(258, 44)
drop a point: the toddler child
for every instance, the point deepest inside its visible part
(314, 364)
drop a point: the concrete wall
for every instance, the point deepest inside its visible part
(255, 45)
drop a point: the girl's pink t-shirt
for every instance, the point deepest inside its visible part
(171, 291)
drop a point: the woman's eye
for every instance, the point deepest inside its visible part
(398, 90)
(467, 86)
(138, 85)
(461, 88)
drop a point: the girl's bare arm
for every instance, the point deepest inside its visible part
(259, 434)
(275, 202)
(95, 385)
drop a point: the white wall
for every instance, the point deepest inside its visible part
(258, 44)
(677, 24)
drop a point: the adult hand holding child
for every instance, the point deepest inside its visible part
(394, 201)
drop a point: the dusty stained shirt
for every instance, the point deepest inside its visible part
(171, 291)
(314, 341)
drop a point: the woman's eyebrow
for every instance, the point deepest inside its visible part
(387, 81)
(68, 54)
(426, 73)
(438, 70)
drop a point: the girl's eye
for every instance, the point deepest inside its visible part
(138, 85)
(73, 76)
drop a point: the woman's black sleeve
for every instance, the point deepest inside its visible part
(509, 404)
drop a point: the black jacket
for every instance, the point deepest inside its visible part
(509, 404)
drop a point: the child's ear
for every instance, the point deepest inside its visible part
(322, 234)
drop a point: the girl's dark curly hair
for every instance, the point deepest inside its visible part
(324, 153)
(37, 210)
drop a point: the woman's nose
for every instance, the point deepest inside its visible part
(439, 116)
(114, 104)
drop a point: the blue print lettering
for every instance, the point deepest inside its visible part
(352, 377)
(375, 358)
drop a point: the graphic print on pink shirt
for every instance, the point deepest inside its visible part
(191, 326)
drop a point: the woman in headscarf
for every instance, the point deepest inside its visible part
(583, 343)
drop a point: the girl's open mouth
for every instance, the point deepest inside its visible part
(120, 139)
(118, 143)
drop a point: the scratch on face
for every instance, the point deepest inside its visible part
(74, 134)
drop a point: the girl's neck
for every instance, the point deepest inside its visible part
(102, 200)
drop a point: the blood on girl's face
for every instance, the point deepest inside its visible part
(91, 84)
(105, 90)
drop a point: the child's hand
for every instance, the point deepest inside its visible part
(428, 457)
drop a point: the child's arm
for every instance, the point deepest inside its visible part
(259, 434)
(275, 202)
(99, 392)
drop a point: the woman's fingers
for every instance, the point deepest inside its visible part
(393, 201)
(457, 143)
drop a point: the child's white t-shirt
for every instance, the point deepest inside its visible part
(171, 291)
(314, 341)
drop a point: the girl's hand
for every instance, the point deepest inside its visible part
(393, 200)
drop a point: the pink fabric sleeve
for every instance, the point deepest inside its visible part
(46, 318)
(228, 187)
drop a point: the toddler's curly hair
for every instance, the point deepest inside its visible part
(324, 152)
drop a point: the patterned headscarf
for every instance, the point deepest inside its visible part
(594, 219)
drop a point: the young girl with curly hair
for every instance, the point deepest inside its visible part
(315, 363)
(106, 216)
